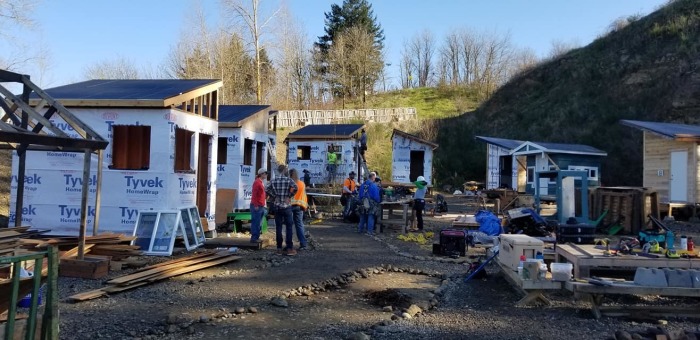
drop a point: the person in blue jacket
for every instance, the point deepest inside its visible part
(369, 204)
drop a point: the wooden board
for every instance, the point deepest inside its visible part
(225, 200)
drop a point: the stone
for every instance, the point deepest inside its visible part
(662, 322)
(395, 317)
(279, 301)
(413, 310)
(622, 335)
(380, 329)
(358, 336)
(203, 318)
(178, 318)
(239, 310)
(636, 336)
(387, 309)
(252, 310)
(406, 315)
(387, 323)
(172, 329)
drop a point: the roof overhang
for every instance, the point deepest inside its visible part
(414, 138)
(681, 137)
(530, 148)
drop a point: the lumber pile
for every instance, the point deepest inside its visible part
(108, 244)
(11, 238)
(157, 272)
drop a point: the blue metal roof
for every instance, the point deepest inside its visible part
(672, 130)
(237, 113)
(327, 130)
(509, 144)
(127, 89)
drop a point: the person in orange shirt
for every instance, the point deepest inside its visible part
(299, 205)
(349, 189)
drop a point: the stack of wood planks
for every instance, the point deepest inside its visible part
(157, 272)
(109, 244)
(11, 238)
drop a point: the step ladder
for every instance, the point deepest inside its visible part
(272, 152)
(364, 171)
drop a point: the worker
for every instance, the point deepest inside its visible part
(257, 205)
(332, 163)
(349, 189)
(363, 143)
(419, 201)
(282, 189)
(299, 206)
(369, 204)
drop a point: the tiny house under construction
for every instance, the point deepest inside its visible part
(411, 157)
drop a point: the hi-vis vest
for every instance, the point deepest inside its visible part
(300, 197)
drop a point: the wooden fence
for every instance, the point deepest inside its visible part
(295, 118)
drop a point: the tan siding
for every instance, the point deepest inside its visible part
(657, 156)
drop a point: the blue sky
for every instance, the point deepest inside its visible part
(78, 33)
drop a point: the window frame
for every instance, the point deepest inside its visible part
(303, 152)
(134, 152)
(184, 151)
(248, 151)
(222, 150)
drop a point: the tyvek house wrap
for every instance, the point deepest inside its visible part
(401, 159)
(318, 160)
(53, 181)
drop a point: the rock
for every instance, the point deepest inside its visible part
(203, 318)
(395, 317)
(358, 336)
(279, 301)
(172, 329)
(239, 310)
(423, 305)
(380, 329)
(662, 322)
(252, 310)
(622, 335)
(413, 310)
(191, 330)
(387, 309)
(387, 323)
(406, 316)
(364, 274)
(178, 318)
(636, 336)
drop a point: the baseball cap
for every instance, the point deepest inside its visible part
(262, 171)
(352, 173)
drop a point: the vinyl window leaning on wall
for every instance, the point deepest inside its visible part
(183, 149)
(131, 147)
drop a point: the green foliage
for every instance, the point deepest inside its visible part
(352, 13)
(429, 102)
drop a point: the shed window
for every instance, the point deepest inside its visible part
(183, 149)
(592, 171)
(530, 174)
(131, 147)
(248, 152)
(304, 152)
(222, 150)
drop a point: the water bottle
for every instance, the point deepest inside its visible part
(684, 242)
(691, 245)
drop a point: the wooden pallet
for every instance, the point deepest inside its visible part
(157, 272)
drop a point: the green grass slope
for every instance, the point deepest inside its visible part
(649, 70)
(430, 102)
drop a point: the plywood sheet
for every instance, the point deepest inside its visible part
(225, 199)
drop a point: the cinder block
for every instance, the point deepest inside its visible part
(695, 278)
(650, 277)
(678, 278)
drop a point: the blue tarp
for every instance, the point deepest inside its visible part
(488, 223)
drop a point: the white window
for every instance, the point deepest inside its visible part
(553, 179)
(592, 171)
(531, 175)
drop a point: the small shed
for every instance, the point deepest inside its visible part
(671, 160)
(411, 156)
(513, 163)
(307, 148)
(161, 154)
(243, 148)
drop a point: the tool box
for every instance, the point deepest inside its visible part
(512, 246)
(579, 233)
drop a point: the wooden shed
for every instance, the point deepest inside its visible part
(671, 160)
(307, 148)
(161, 154)
(513, 163)
(243, 148)
(411, 157)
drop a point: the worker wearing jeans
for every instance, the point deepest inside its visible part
(299, 205)
(257, 206)
(282, 188)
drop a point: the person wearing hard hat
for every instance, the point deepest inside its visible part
(419, 201)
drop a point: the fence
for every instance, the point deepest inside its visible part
(20, 287)
(295, 118)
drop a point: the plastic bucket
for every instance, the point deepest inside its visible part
(561, 271)
(26, 301)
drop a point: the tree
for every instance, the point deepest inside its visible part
(422, 49)
(15, 13)
(249, 17)
(355, 20)
(118, 68)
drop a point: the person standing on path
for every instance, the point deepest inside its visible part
(257, 205)
(419, 200)
(299, 205)
(282, 188)
(369, 203)
(349, 189)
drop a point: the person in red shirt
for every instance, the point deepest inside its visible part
(257, 205)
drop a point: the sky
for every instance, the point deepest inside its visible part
(78, 33)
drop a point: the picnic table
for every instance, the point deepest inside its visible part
(533, 289)
(585, 257)
(389, 206)
(596, 293)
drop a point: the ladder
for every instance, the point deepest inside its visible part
(364, 171)
(272, 152)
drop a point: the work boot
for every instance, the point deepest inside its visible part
(290, 252)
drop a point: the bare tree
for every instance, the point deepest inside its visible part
(422, 48)
(15, 13)
(295, 87)
(450, 58)
(248, 15)
(524, 60)
(118, 68)
(560, 47)
(406, 67)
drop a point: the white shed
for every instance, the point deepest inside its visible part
(307, 148)
(411, 157)
(161, 154)
(243, 149)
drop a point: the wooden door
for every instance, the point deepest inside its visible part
(203, 173)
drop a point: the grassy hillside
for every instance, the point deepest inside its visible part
(649, 70)
(430, 102)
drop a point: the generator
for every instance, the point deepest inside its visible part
(452, 243)
(579, 233)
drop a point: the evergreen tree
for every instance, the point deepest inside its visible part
(353, 13)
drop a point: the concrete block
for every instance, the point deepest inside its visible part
(650, 277)
(678, 278)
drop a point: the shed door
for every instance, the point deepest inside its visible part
(678, 188)
(417, 165)
(203, 174)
